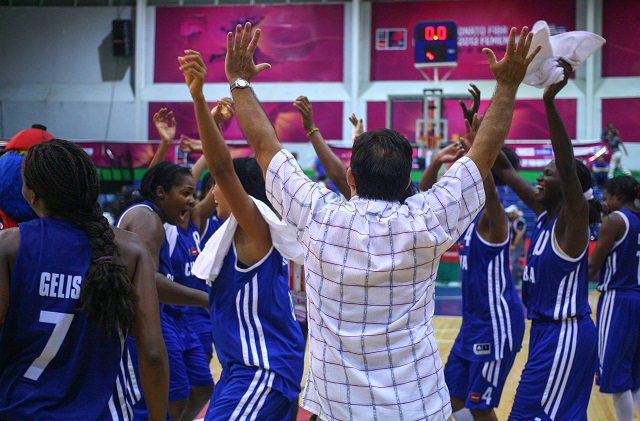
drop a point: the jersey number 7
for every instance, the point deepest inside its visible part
(62, 321)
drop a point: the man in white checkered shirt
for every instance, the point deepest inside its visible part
(371, 262)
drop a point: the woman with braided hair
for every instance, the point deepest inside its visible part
(70, 291)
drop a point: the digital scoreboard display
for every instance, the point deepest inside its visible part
(435, 43)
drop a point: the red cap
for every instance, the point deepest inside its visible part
(29, 137)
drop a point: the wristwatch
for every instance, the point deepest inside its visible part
(240, 83)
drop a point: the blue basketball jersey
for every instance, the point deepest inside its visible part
(129, 374)
(213, 224)
(555, 286)
(184, 247)
(620, 270)
(253, 323)
(54, 362)
(492, 312)
(164, 260)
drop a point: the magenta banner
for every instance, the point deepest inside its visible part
(533, 156)
(301, 42)
(118, 154)
(529, 119)
(481, 23)
(621, 29)
(284, 117)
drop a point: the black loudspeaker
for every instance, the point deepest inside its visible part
(122, 45)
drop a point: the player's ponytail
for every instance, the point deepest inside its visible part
(64, 176)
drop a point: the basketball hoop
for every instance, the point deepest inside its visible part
(430, 141)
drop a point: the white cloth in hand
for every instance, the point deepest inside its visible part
(573, 47)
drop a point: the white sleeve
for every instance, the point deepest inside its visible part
(292, 194)
(455, 199)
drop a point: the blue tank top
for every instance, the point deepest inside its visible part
(213, 224)
(253, 323)
(54, 362)
(620, 270)
(164, 259)
(184, 246)
(555, 286)
(492, 312)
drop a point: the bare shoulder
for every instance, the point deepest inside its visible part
(10, 240)
(128, 243)
(614, 221)
(140, 217)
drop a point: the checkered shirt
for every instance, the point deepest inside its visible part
(370, 268)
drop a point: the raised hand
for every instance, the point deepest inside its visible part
(223, 111)
(303, 105)
(358, 125)
(239, 60)
(471, 131)
(194, 71)
(475, 106)
(450, 153)
(551, 91)
(513, 66)
(189, 145)
(165, 124)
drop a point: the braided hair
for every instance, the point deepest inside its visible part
(64, 176)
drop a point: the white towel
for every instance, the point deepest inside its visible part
(574, 47)
(208, 263)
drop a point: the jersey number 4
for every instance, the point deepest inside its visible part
(62, 322)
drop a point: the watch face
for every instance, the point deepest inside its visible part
(242, 83)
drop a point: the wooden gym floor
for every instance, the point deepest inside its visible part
(446, 330)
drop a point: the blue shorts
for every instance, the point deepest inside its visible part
(200, 324)
(245, 393)
(557, 379)
(188, 366)
(478, 383)
(618, 341)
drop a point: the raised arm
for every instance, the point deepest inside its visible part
(332, 165)
(165, 124)
(445, 155)
(523, 188)
(573, 218)
(358, 126)
(186, 144)
(219, 159)
(509, 73)
(252, 118)
(469, 113)
(493, 225)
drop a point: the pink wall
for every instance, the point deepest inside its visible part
(302, 42)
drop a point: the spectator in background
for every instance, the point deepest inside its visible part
(614, 143)
(518, 227)
(603, 135)
(600, 170)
